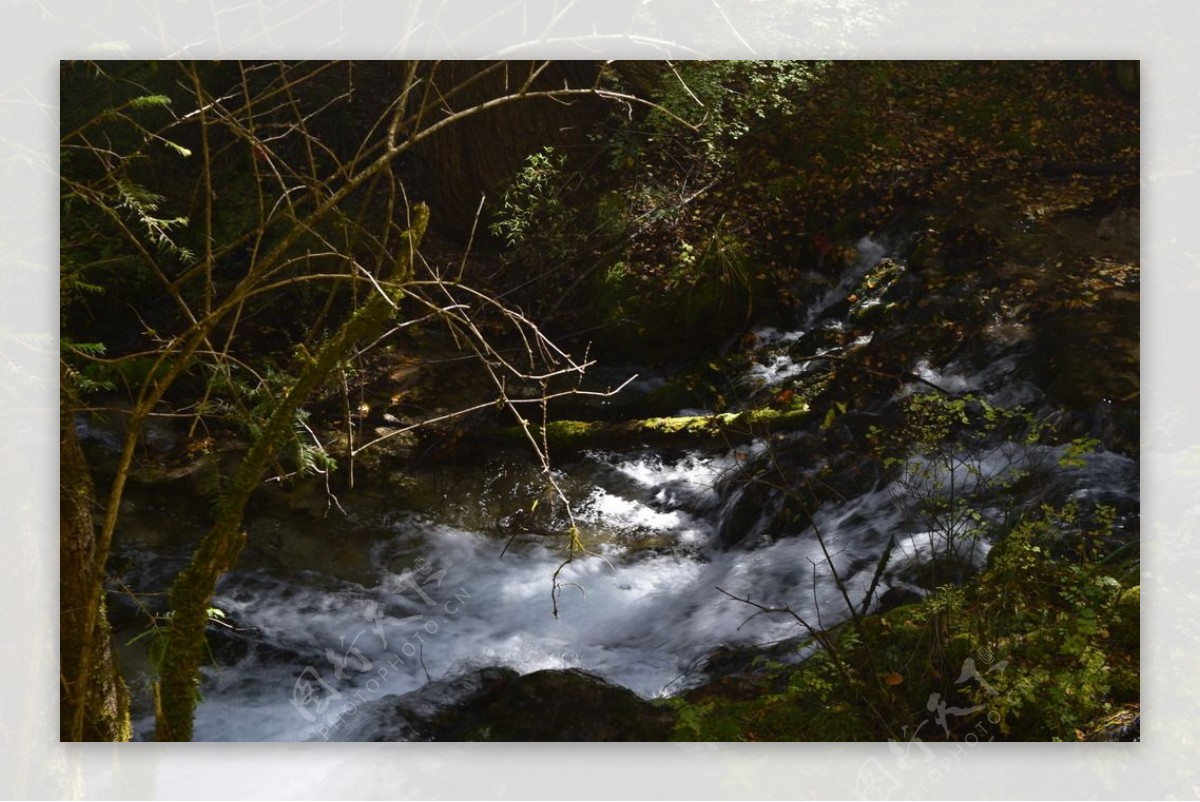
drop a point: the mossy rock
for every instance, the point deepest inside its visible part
(872, 301)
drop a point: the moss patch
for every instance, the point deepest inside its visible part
(724, 428)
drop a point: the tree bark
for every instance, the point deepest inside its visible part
(481, 155)
(191, 594)
(642, 76)
(93, 698)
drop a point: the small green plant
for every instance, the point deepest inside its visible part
(956, 462)
(726, 98)
(88, 378)
(1067, 627)
(92, 258)
(157, 642)
(533, 209)
(543, 228)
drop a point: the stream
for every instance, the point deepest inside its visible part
(407, 592)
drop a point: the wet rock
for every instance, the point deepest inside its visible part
(555, 705)
(160, 435)
(745, 660)
(876, 296)
(1121, 228)
(754, 511)
(897, 596)
(411, 716)
(1126, 729)
(784, 489)
(497, 704)
(231, 643)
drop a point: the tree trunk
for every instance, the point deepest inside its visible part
(481, 155)
(93, 699)
(175, 695)
(642, 76)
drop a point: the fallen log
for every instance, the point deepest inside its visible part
(730, 428)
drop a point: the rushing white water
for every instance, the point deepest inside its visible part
(997, 382)
(775, 361)
(870, 252)
(639, 620)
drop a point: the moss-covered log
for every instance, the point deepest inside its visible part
(191, 593)
(728, 428)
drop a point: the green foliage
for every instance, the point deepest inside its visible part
(691, 721)
(536, 218)
(780, 703)
(1068, 628)
(726, 99)
(532, 206)
(955, 461)
(146, 101)
(542, 224)
(141, 203)
(121, 187)
(781, 156)
(1053, 642)
(967, 472)
(72, 285)
(682, 220)
(1077, 450)
(84, 349)
(80, 382)
(247, 400)
(1037, 642)
(155, 635)
(308, 453)
(101, 211)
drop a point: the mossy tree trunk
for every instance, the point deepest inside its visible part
(93, 699)
(192, 591)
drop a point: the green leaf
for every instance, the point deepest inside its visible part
(149, 101)
(86, 349)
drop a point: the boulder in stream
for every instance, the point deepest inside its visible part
(555, 705)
